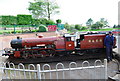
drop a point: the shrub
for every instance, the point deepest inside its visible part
(58, 21)
(24, 19)
(34, 30)
(50, 22)
(42, 28)
(83, 28)
(8, 20)
(77, 26)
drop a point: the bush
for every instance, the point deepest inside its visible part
(34, 30)
(8, 20)
(58, 21)
(50, 22)
(83, 28)
(24, 19)
(18, 31)
(42, 28)
(77, 26)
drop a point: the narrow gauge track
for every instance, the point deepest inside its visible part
(100, 55)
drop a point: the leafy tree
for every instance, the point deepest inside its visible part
(36, 22)
(43, 8)
(58, 21)
(0, 20)
(84, 28)
(104, 22)
(67, 26)
(43, 21)
(89, 23)
(94, 26)
(114, 26)
(72, 28)
(100, 24)
(77, 26)
(97, 25)
(118, 26)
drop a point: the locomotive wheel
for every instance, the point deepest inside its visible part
(51, 53)
(33, 56)
(43, 53)
(25, 55)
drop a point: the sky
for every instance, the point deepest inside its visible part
(71, 11)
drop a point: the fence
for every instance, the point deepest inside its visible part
(97, 70)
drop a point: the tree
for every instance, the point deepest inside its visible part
(36, 22)
(67, 26)
(77, 26)
(114, 26)
(43, 8)
(58, 21)
(104, 22)
(97, 25)
(89, 23)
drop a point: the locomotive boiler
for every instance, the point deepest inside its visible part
(67, 44)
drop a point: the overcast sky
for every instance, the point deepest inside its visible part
(71, 11)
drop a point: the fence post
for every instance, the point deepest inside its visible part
(14, 29)
(39, 71)
(105, 64)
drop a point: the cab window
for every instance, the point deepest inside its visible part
(68, 38)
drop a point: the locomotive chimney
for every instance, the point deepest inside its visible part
(40, 35)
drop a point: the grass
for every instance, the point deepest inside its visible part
(8, 31)
(12, 26)
(109, 29)
(19, 31)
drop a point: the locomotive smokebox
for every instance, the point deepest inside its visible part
(16, 43)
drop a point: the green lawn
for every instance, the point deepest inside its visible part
(9, 31)
(109, 29)
(19, 31)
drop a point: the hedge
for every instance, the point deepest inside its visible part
(24, 19)
(8, 20)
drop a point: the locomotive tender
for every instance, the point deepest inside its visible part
(51, 46)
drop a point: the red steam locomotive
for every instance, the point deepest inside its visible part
(50, 46)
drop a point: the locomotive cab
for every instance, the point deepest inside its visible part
(70, 41)
(79, 39)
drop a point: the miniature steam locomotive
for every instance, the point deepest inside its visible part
(56, 46)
